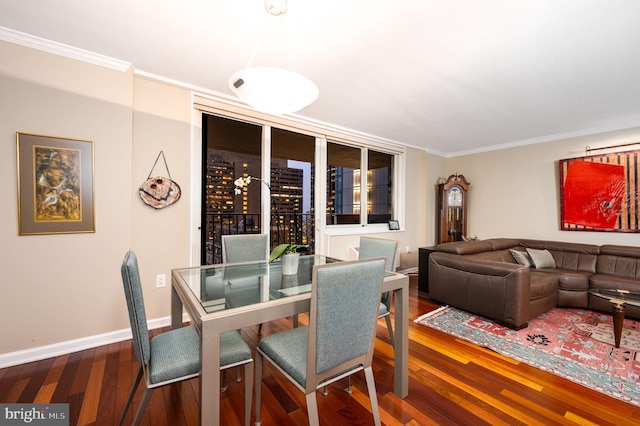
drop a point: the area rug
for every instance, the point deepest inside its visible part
(575, 344)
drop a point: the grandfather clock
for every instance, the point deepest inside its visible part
(452, 209)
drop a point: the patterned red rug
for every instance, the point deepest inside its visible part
(575, 344)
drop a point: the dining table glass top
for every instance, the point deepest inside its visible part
(232, 285)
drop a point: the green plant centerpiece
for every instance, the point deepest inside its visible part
(283, 249)
(289, 253)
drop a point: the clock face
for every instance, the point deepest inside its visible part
(455, 197)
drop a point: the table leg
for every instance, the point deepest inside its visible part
(618, 323)
(176, 309)
(209, 375)
(401, 341)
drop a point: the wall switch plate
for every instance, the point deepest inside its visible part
(161, 280)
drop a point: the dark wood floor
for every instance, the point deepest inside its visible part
(450, 383)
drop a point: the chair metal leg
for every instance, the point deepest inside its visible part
(248, 391)
(348, 389)
(136, 382)
(258, 387)
(223, 386)
(260, 329)
(142, 407)
(390, 328)
(295, 321)
(312, 409)
(238, 376)
(373, 397)
(324, 391)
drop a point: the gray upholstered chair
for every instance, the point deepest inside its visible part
(378, 247)
(245, 248)
(173, 356)
(326, 350)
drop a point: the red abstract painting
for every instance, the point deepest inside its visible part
(600, 192)
(593, 194)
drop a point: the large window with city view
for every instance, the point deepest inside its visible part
(358, 180)
(345, 181)
(233, 149)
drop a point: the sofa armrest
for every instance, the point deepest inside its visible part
(496, 290)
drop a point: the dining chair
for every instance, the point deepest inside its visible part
(379, 247)
(173, 356)
(245, 248)
(326, 350)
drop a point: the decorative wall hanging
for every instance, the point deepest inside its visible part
(159, 191)
(600, 192)
(55, 185)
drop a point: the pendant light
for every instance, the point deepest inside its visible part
(273, 90)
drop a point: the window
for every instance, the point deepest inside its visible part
(292, 188)
(230, 149)
(345, 181)
(379, 187)
(356, 180)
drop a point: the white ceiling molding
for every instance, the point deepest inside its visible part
(56, 48)
(548, 138)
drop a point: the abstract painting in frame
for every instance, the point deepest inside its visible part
(600, 193)
(55, 185)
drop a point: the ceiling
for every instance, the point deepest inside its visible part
(452, 76)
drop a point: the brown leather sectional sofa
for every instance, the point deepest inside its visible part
(483, 277)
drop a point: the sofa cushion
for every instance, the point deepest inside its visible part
(541, 258)
(574, 256)
(621, 266)
(542, 284)
(464, 247)
(614, 282)
(522, 257)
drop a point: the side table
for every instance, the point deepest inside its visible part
(423, 268)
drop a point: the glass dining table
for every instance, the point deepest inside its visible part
(224, 297)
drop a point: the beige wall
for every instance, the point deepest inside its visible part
(61, 287)
(57, 288)
(515, 192)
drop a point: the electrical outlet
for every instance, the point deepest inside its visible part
(161, 280)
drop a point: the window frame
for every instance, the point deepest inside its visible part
(323, 133)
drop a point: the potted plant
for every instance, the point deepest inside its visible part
(289, 253)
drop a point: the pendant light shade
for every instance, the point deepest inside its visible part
(273, 90)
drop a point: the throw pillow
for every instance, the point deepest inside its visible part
(541, 258)
(522, 257)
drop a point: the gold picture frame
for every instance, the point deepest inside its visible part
(55, 185)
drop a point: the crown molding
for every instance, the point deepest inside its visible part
(34, 42)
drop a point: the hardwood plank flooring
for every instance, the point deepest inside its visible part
(451, 382)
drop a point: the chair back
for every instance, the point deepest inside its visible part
(345, 300)
(135, 305)
(244, 248)
(379, 247)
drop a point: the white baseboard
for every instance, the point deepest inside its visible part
(43, 352)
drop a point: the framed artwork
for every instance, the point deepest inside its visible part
(394, 225)
(600, 193)
(55, 185)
